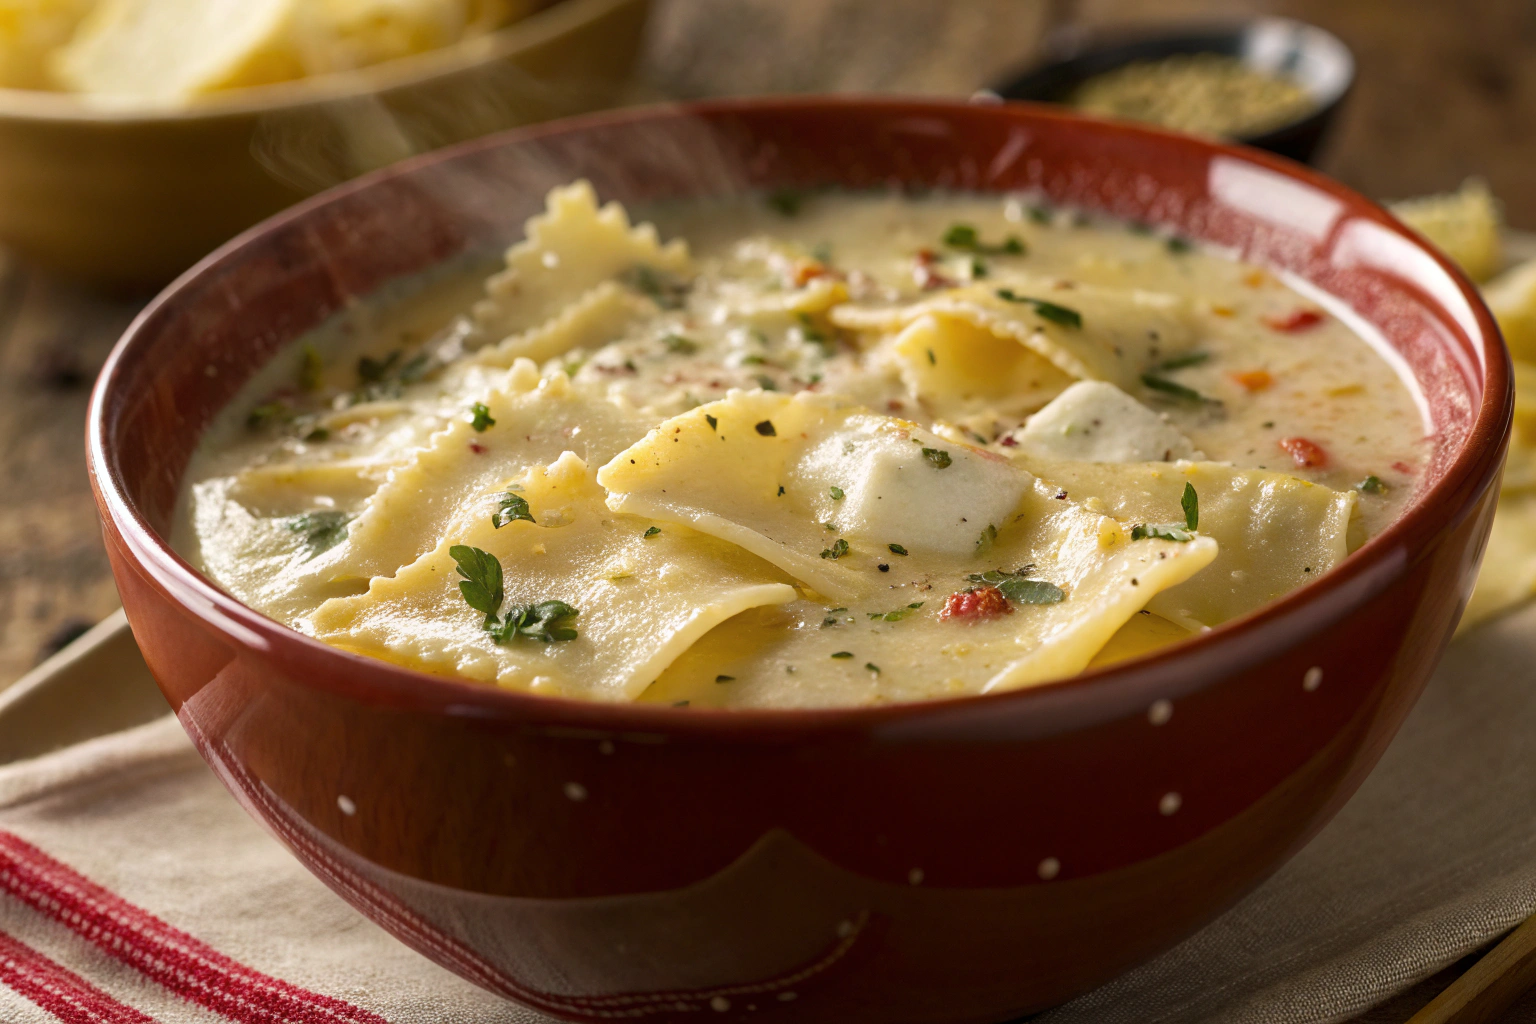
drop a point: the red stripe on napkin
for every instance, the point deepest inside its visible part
(59, 990)
(190, 968)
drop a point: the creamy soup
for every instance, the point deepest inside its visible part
(804, 450)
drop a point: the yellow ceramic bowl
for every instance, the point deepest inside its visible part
(128, 199)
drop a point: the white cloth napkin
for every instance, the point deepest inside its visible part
(134, 889)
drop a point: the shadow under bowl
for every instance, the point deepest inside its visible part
(1315, 59)
(954, 861)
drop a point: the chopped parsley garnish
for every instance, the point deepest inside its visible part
(964, 236)
(679, 344)
(415, 368)
(938, 458)
(781, 491)
(1371, 485)
(725, 679)
(897, 549)
(510, 508)
(978, 269)
(897, 615)
(652, 531)
(842, 654)
(1156, 532)
(836, 492)
(713, 423)
(1039, 214)
(661, 288)
(268, 414)
(1180, 362)
(1017, 587)
(1178, 245)
(318, 434)
(376, 371)
(765, 428)
(838, 549)
(785, 202)
(480, 417)
(321, 530)
(872, 667)
(1190, 502)
(767, 383)
(1043, 309)
(481, 588)
(310, 368)
(933, 360)
(985, 540)
(1174, 390)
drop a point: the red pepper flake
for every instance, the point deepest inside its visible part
(805, 273)
(1295, 321)
(1306, 454)
(926, 257)
(478, 448)
(1254, 380)
(929, 279)
(1008, 442)
(894, 406)
(977, 603)
(1403, 467)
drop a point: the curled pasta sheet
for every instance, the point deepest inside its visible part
(596, 318)
(957, 370)
(571, 248)
(460, 474)
(831, 494)
(643, 597)
(1092, 421)
(1276, 531)
(1086, 331)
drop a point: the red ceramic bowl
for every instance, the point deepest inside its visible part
(963, 860)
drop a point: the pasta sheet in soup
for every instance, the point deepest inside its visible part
(813, 450)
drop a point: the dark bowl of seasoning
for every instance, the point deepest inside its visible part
(1272, 83)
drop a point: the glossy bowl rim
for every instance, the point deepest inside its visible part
(1248, 639)
(44, 106)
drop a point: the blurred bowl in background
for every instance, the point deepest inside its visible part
(128, 199)
(1316, 60)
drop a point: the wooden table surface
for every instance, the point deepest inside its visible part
(1445, 91)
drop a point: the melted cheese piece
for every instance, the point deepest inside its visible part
(643, 600)
(957, 369)
(1276, 531)
(1122, 333)
(570, 249)
(1093, 421)
(764, 471)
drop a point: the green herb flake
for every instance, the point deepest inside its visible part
(679, 344)
(375, 371)
(1178, 246)
(1371, 485)
(652, 531)
(932, 359)
(546, 621)
(480, 417)
(964, 236)
(786, 202)
(725, 679)
(961, 236)
(838, 549)
(320, 530)
(765, 428)
(317, 435)
(872, 667)
(1045, 310)
(658, 286)
(897, 615)
(836, 492)
(1180, 362)
(713, 423)
(767, 383)
(938, 458)
(268, 414)
(311, 368)
(985, 541)
(978, 269)
(1155, 531)
(481, 583)
(509, 509)
(1190, 502)
(842, 654)
(417, 367)
(1174, 390)
(896, 549)
(1039, 214)
(1017, 586)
